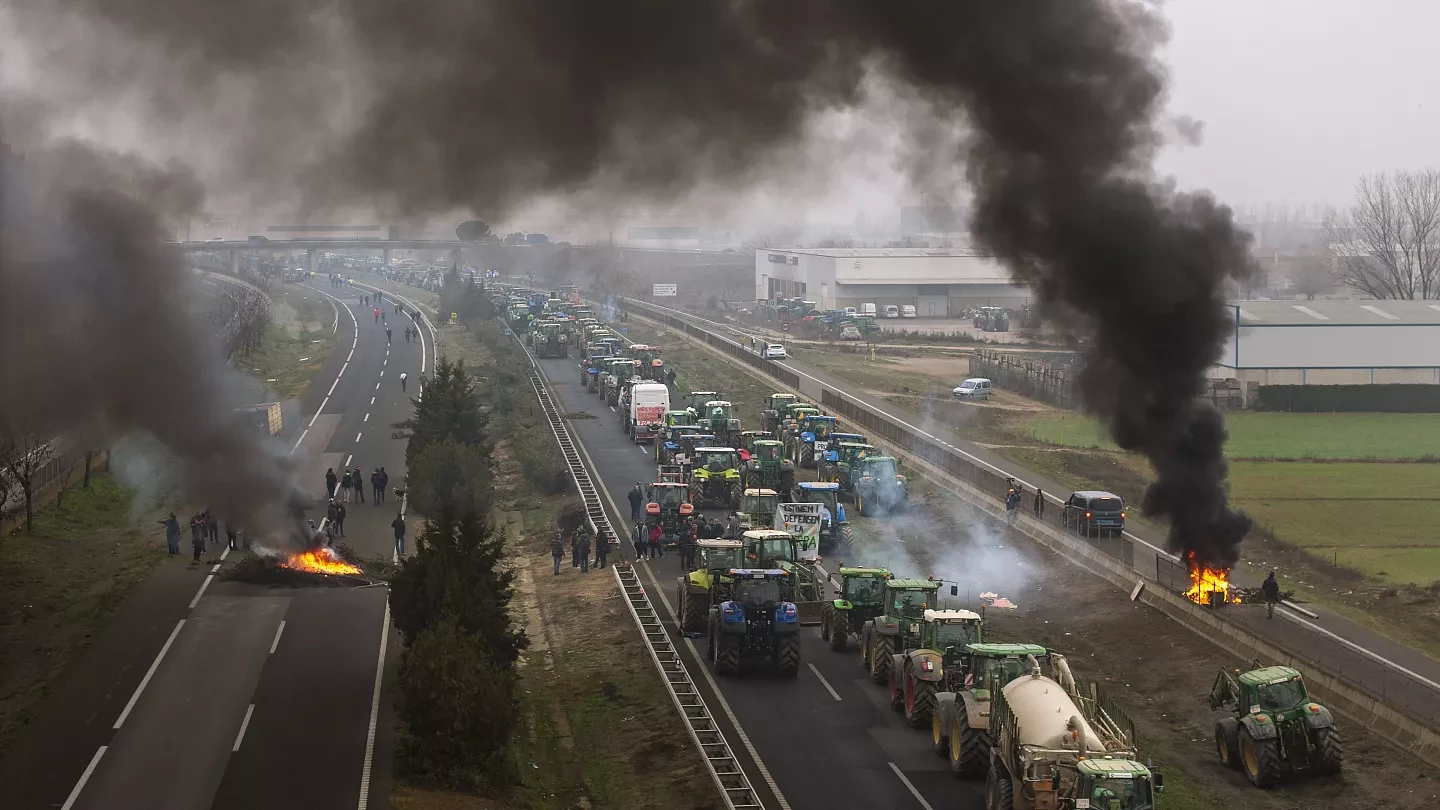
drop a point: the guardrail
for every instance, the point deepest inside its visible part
(724, 768)
(1346, 665)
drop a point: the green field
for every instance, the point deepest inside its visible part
(1276, 435)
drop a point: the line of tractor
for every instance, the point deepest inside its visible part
(1009, 712)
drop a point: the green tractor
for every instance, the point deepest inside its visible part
(841, 460)
(836, 534)
(810, 438)
(667, 504)
(651, 366)
(715, 477)
(861, 598)
(1275, 728)
(917, 675)
(618, 371)
(960, 724)
(774, 407)
(720, 416)
(590, 367)
(769, 468)
(791, 418)
(708, 582)
(757, 508)
(880, 489)
(757, 622)
(897, 627)
(772, 548)
(695, 403)
(671, 440)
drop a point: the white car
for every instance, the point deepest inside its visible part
(973, 388)
(850, 333)
(851, 311)
(907, 311)
(774, 351)
(892, 311)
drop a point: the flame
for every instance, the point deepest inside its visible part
(1206, 581)
(319, 561)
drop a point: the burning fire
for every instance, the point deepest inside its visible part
(1206, 581)
(319, 561)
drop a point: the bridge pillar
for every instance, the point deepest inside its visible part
(387, 260)
(310, 260)
(455, 258)
(234, 262)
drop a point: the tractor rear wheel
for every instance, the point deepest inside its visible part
(999, 790)
(882, 647)
(846, 546)
(1260, 759)
(969, 746)
(826, 611)
(787, 655)
(692, 613)
(727, 653)
(806, 456)
(1329, 750)
(734, 494)
(1227, 742)
(787, 482)
(919, 702)
(839, 629)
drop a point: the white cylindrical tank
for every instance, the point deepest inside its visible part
(1043, 711)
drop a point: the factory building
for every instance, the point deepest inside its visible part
(1362, 342)
(939, 283)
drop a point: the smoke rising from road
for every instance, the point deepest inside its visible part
(95, 332)
(488, 105)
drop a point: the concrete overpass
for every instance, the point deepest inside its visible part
(235, 247)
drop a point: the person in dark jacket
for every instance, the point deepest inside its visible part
(398, 524)
(687, 553)
(345, 486)
(602, 550)
(172, 534)
(582, 541)
(330, 483)
(384, 483)
(212, 525)
(637, 503)
(1039, 502)
(1271, 588)
(641, 536)
(557, 550)
(574, 548)
(197, 536)
(375, 486)
(357, 480)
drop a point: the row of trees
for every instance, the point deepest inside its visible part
(1387, 245)
(450, 600)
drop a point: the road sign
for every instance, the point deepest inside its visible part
(785, 327)
(663, 290)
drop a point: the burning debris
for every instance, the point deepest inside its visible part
(1211, 586)
(319, 561)
(312, 567)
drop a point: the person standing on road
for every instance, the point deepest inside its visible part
(375, 487)
(332, 514)
(197, 539)
(641, 536)
(407, 334)
(602, 550)
(357, 480)
(557, 550)
(398, 524)
(583, 542)
(345, 486)
(687, 553)
(172, 534)
(377, 314)
(637, 499)
(212, 526)
(1039, 502)
(574, 548)
(657, 542)
(330, 483)
(384, 483)
(387, 336)
(340, 511)
(403, 378)
(1271, 587)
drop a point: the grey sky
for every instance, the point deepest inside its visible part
(1299, 97)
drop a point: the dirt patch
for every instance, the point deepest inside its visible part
(955, 368)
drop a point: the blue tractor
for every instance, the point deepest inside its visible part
(836, 534)
(758, 623)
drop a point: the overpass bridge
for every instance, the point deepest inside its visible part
(237, 246)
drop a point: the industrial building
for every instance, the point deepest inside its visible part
(1363, 342)
(939, 283)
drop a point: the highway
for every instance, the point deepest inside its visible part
(205, 693)
(825, 739)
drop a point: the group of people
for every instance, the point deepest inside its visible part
(203, 526)
(351, 485)
(1015, 496)
(580, 542)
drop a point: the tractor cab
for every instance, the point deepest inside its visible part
(671, 474)
(768, 467)
(672, 439)
(949, 632)
(774, 406)
(718, 555)
(837, 438)
(690, 442)
(773, 548)
(863, 587)
(1115, 784)
(810, 438)
(708, 581)
(758, 508)
(879, 486)
(696, 402)
(715, 476)
(667, 505)
(991, 666)
(769, 547)
(748, 438)
(910, 598)
(789, 423)
(719, 415)
(836, 534)
(673, 418)
(766, 450)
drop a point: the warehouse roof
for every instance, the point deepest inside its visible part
(1338, 313)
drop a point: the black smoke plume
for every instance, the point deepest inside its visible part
(95, 332)
(483, 106)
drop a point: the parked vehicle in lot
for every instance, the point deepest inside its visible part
(907, 311)
(1092, 512)
(851, 311)
(892, 311)
(868, 310)
(774, 351)
(973, 388)
(850, 333)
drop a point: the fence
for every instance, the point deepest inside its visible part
(1055, 383)
(725, 345)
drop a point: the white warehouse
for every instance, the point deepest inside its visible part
(939, 283)
(1333, 343)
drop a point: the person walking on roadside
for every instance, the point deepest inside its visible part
(197, 539)
(574, 548)
(384, 483)
(557, 550)
(340, 523)
(407, 334)
(377, 314)
(357, 480)
(641, 536)
(602, 550)
(345, 486)
(398, 524)
(172, 534)
(330, 483)
(1039, 502)
(375, 486)
(387, 336)
(583, 541)
(403, 378)
(1271, 588)
(637, 500)
(657, 541)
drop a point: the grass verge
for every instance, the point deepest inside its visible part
(295, 346)
(62, 585)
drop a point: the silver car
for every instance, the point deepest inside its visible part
(973, 388)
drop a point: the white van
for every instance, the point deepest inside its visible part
(868, 310)
(851, 311)
(648, 403)
(973, 388)
(892, 311)
(907, 311)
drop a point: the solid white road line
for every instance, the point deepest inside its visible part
(84, 777)
(149, 673)
(913, 791)
(244, 724)
(276, 642)
(331, 392)
(823, 682)
(374, 714)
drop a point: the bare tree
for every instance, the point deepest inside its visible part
(1388, 244)
(1312, 276)
(23, 454)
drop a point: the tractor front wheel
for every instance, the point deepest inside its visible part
(839, 629)
(1261, 760)
(734, 494)
(919, 702)
(1329, 751)
(882, 647)
(1227, 743)
(846, 546)
(787, 655)
(825, 613)
(969, 746)
(806, 455)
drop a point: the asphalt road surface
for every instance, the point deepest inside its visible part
(211, 694)
(825, 739)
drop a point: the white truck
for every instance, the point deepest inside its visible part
(648, 403)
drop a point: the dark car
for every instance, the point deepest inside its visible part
(1091, 512)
